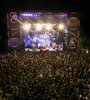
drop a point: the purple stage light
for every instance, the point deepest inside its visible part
(61, 15)
(30, 14)
(39, 39)
(37, 14)
(27, 14)
(64, 15)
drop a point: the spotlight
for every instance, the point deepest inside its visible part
(48, 26)
(39, 27)
(27, 27)
(61, 26)
(87, 51)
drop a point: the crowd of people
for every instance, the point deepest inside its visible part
(45, 76)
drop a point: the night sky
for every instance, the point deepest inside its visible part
(81, 7)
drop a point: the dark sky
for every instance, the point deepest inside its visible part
(82, 7)
(46, 4)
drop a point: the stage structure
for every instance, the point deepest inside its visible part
(43, 30)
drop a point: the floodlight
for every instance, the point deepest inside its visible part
(61, 26)
(27, 27)
(48, 26)
(39, 27)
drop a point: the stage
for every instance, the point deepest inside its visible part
(43, 30)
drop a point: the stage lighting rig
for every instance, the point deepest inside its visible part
(39, 27)
(27, 26)
(87, 51)
(60, 26)
(48, 27)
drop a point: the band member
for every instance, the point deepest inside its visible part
(59, 47)
(33, 45)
